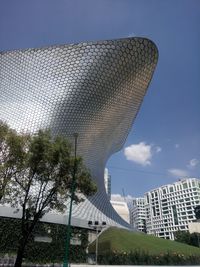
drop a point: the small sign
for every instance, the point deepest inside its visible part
(45, 239)
(75, 241)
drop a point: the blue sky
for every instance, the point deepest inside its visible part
(164, 143)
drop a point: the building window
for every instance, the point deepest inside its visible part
(175, 214)
(185, 186)
(154, 211)
(164, 191)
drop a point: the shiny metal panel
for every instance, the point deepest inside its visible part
(94, 89)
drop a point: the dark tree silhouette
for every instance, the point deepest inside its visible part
(40, 180)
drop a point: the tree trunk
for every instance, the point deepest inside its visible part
(20, 254)
(26, 232)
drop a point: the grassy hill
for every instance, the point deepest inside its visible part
(121, 240)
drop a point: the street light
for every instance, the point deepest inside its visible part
(73, 188)
(98, 227)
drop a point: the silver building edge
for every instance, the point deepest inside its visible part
(93, 88)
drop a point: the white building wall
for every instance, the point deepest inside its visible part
(171, 207)
(194, 227)
(121, 208)
(138, 213)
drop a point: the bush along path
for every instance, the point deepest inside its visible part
(143, 258)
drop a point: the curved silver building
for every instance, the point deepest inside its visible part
(94, 89)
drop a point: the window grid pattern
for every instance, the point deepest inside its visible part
(170, 208)
(138, 213)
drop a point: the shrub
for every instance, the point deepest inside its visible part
(138, 257)
(40, 252)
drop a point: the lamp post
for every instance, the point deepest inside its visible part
(73, 188)
(98, 227)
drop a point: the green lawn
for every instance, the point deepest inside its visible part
(115, 239)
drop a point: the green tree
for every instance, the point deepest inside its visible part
(182, 237)
(42, 181)
(192, 239)
(195, 239)
(11, 156)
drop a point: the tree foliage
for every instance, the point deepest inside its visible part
(37, 174)
(11, 156)
(42, 252)
(192, 239)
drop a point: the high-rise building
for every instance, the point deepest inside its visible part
(121, 207)
(107, 182)
(171, 207)
(138, 213)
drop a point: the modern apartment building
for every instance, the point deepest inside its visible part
(138, 213)
(171, 207)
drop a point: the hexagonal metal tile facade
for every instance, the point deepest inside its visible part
(94, 89)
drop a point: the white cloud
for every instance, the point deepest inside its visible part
(129, 197)
(139, 153)
(158, 149)
(132, 34)
(178, 172)
(177, 145)
(192, 163)
(117, 197)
